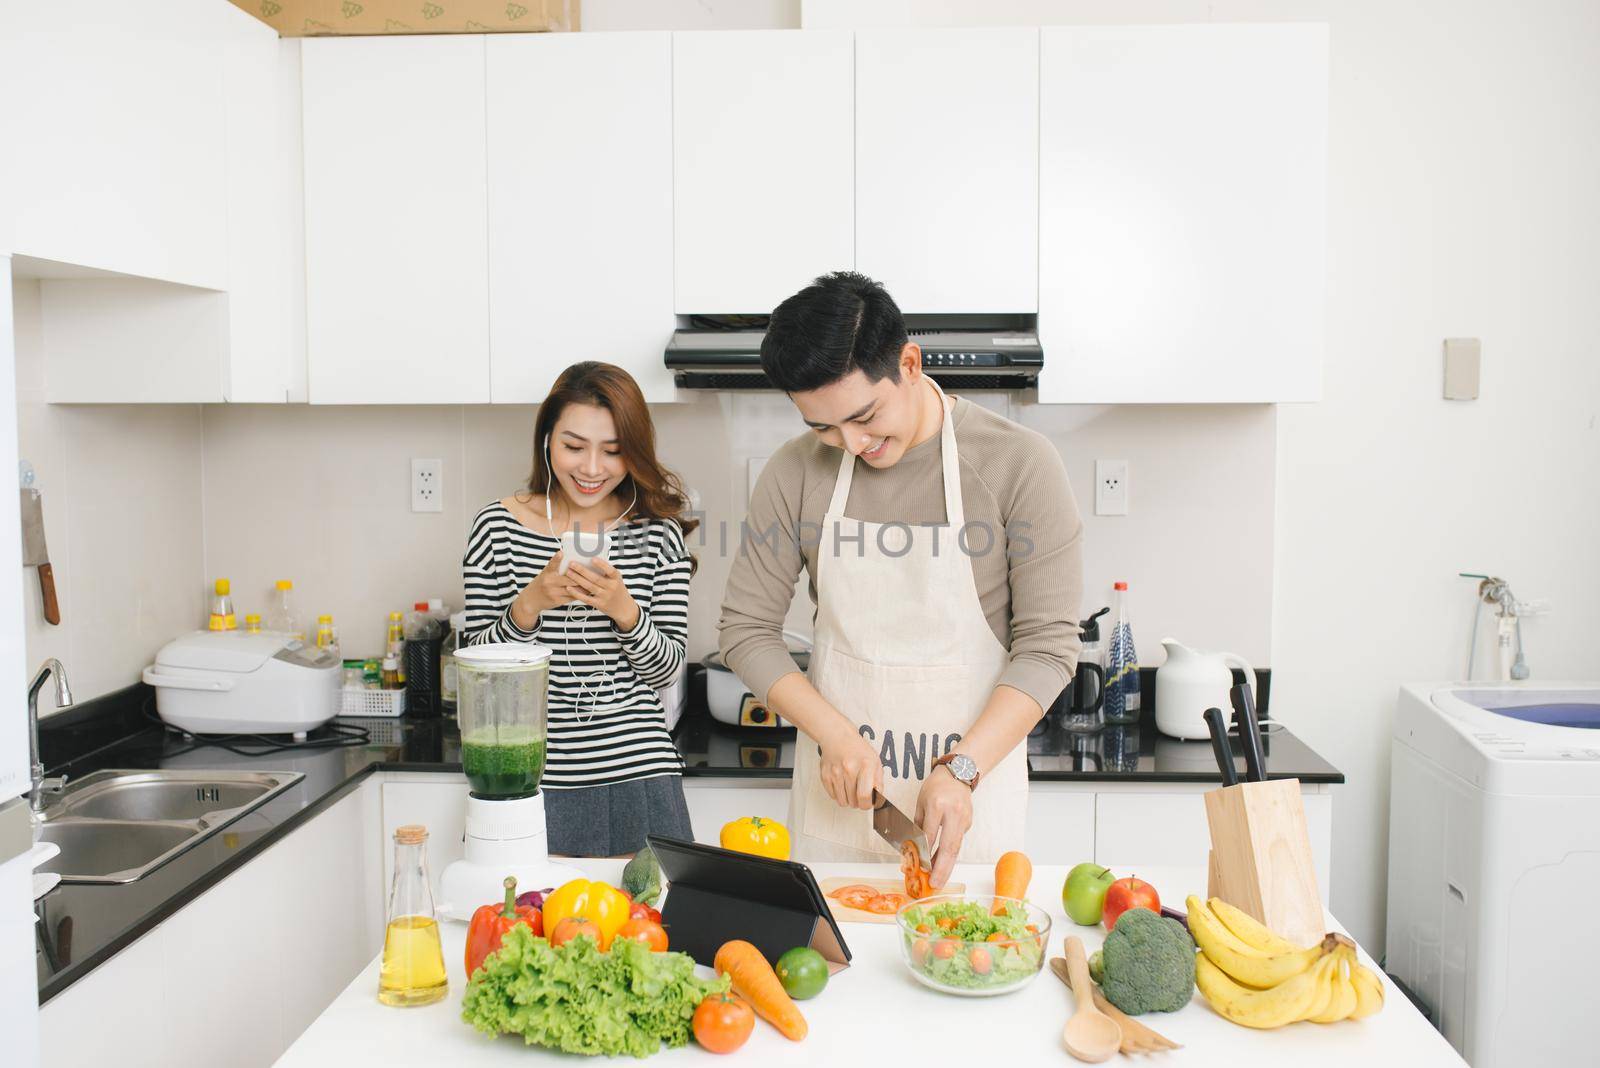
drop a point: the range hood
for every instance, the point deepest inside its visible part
(965, 356)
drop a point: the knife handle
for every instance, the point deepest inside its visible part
(1244, 718)
(1220, 746)
(47, 587)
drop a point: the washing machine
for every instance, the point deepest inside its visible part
(1494, 866)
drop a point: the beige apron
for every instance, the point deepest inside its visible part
(903, 649)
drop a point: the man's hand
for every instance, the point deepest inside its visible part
(944, 812)
(851, 769)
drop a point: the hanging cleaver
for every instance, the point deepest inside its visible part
(35, 554)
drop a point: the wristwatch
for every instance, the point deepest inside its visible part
(963, 767)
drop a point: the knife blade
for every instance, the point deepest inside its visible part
(35, 553)
(1244, 718)
(895, 827)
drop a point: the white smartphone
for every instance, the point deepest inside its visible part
(585, 545)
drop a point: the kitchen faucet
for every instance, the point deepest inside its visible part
(38, 783)
(1497, 592)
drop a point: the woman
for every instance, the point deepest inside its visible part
(616, 626)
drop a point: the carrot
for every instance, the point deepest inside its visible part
(1012, 874)
(756, 982)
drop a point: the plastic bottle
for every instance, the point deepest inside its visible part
(1122, 697)
(252, 624)
(420, 624)
(413, 959)
(394, 644)
(327, 637)
(222, 617)
(281, 615)
(447, 659)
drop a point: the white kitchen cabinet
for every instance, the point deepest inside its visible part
(397, 285)
(1166, 827)
(947, 167)
(114, 135)
(234, 976)
(1060, 823)
(762, 165)
(1182, 212)
(716, 802)
(436, 801)
(580, 194)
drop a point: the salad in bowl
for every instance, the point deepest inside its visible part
(971, 947)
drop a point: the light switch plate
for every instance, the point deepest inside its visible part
(1111, 487)
(1463, 356)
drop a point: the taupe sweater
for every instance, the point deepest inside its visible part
(1029, 583)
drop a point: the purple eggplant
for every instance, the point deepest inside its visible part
(1171, 913)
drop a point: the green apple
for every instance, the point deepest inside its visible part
(1083, 895)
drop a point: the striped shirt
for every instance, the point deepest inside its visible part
(605, 719)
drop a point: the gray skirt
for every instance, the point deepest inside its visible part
(608, 821)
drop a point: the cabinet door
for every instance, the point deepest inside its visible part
(1182, 216)
(114, 136)
(1060, 823)
(439, 803)
(397, 286)
(947, 167)
(580, 208)
(1151, 830)
(762, 165)
(714, 803)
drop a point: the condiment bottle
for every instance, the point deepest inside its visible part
(413, 959)
(222, 617)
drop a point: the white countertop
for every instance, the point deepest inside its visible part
(875, 1009)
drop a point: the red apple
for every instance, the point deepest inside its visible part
(1125, 894)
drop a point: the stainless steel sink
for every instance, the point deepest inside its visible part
(118, 826)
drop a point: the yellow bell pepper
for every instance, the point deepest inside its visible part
(757, 836)
(603, 905)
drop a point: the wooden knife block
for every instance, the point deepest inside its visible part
(1261, 857)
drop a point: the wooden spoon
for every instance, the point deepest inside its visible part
(1090, 1035)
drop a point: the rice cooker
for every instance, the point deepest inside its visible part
(729, 702)
(229, 682)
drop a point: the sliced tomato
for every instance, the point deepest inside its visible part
(852, 888)
(900, 900)
(859, 897)
(946, 948)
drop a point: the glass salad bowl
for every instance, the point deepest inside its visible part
(957, 945)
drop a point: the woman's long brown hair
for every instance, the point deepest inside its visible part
(661, 494)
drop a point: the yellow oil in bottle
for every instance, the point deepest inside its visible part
(413, 963)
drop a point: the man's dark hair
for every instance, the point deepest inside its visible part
(840, 323)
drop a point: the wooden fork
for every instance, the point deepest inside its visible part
(1136, 1037)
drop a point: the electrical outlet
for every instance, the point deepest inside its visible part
(427, 485)
(1111, 487)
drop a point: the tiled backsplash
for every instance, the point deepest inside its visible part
(146, 504)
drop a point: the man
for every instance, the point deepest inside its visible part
(943, 548)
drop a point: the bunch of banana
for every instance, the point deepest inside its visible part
(1256, 979)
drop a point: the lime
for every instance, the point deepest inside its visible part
(803, 972)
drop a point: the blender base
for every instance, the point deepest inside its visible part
(504, 837)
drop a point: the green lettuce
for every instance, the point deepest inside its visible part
(579, 1000)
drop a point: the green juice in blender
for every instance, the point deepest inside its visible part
(503, 766)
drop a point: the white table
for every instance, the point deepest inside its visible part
(875, 1010)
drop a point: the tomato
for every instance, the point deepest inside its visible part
(1125, 894)
(853, 887)
(923, 928)
(858, 897)
(574, 927)
(899, 901)
(647, 931)
(919, 952)
(723, 1022)
(643, 912)
(947, 924)
(1005, 942)
(946, 948)
(982, 963)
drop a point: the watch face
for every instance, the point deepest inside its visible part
(964, 767)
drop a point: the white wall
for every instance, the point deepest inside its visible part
(1464, 155)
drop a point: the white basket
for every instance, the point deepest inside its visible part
(387, 703)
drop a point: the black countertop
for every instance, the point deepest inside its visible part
(84, 925)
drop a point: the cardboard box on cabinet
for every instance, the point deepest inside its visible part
(340, 18)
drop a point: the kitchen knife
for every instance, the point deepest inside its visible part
(1244, 718)
(895, 827)
(34, 552)
(1220, 746)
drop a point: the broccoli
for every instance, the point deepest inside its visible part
(1146, 964)
(642, 877)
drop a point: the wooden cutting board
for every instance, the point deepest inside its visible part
(844, 914)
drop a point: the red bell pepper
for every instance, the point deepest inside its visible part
(491, 922)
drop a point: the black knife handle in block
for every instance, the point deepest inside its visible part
(1244, 718)
(1220, 746)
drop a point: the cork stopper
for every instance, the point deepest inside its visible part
(411, 834)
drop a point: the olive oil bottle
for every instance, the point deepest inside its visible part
(413, 959)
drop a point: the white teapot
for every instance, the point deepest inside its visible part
(1191, 682)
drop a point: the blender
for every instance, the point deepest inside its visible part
(500, 707)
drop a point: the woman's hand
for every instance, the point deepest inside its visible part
(549, 589)
(944, 812)
(851, 768)
(600, 586)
